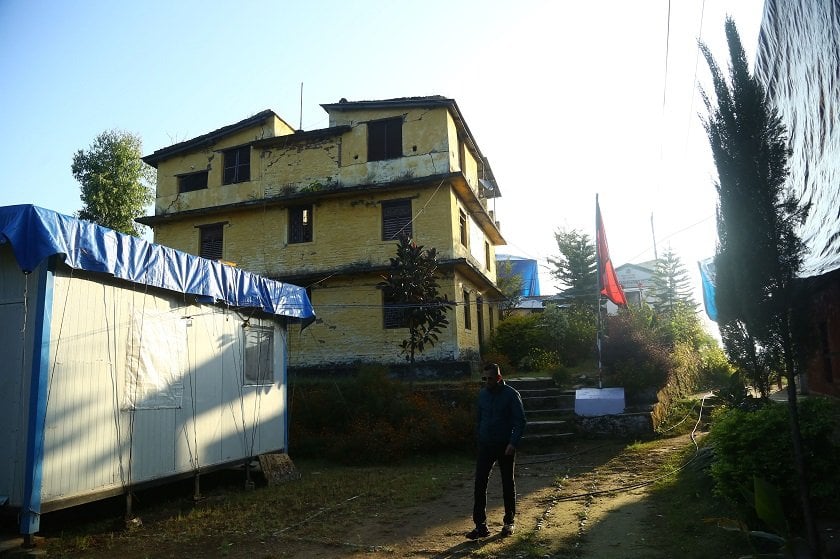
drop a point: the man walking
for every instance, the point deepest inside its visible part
(501, 422)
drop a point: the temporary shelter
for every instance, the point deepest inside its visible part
(124, 363)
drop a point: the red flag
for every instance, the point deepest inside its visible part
(607, 280)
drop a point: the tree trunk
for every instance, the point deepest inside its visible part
(812, 534)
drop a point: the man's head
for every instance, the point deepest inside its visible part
(492, 375)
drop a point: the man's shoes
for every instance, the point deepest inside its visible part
(478, 532)
(507, 530)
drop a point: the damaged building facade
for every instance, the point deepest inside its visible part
(324, 209)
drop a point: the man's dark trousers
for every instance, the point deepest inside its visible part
(488, 454)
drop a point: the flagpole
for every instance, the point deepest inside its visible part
(598, 288)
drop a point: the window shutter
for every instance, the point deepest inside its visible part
(211, 241)
(396, 219)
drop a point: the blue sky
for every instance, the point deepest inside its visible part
(565, 98)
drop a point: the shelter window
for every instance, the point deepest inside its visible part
(396, 219)
(211, 241)
(462, 223)
(394, 315)
(192, 181)
(467, 311)
(259, 355)
(237, 165)
(384, 139)
(487, 260)
(300, 224)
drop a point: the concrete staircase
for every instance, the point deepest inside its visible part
(549, 410)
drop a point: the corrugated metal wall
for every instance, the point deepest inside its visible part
(15, 363)
(94, 443)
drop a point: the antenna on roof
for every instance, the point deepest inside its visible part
(300, 125)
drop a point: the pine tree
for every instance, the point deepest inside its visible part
(671, 285)
(759, 252)
(576, 267)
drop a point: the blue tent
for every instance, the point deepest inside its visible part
(525, 268)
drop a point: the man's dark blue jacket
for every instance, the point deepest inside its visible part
(501, 417)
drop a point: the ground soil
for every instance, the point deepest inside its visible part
(565, 509)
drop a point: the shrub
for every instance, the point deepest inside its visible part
(539, 360)
(757, 443)
(516, 335)
(373, 419)
(634, 358)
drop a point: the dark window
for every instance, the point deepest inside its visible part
(462, 222)
(487, 255)
(259, 355)
(210, 241)
(300, 224)
(393, 314)
(396, 219)
(193, 181)
(467, 311)
(384, 139)
(237, 165)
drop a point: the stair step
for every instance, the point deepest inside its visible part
(545, 437)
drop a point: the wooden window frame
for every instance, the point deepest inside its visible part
(384, 139)
(190, 182)
(393, 314)
(467, 311)
(236, 163)
(209, 246)
(301, 224)
(396, 219)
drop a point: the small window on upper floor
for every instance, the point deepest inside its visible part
(462, 223)
(487, 260)
(300, 224)
(192, 181)
(211, 241)
(237, 164)
(396, 219)
(384, 139)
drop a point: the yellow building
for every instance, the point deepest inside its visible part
(323, 209)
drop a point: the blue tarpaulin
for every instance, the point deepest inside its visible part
(526, 269)
(707, 277)
(36, 233)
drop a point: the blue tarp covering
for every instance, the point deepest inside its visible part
(708, 277)
(526, 269)
(36, 233)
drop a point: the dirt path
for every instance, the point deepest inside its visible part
(554, 516)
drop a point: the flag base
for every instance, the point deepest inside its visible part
(591, 402)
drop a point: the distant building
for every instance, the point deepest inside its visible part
(636, 281)
(324, 208)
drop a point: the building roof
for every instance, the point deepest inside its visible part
(429, 101)
(210, 138)
(36, 233)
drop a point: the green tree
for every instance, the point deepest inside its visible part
(411, 289)
(671, 285)
(576, 267)
(116, 183)
(759, 252)
(510, 284)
